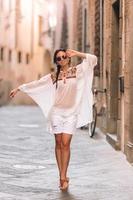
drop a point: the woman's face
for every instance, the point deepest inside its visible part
(62, 58)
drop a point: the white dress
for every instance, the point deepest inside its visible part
(64, 112)
(71, 102)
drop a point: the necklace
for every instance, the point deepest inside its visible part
(64, 75)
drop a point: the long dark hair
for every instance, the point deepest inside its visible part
(57, 65)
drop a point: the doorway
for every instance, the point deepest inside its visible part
(114, 72)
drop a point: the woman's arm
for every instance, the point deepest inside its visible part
(13, 92)
(88, 59)
(71, 53)
(33, 85)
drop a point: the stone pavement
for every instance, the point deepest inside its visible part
(28, 169)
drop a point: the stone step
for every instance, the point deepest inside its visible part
(112, 140)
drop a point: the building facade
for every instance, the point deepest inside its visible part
(25, 45)
(114, 49)
(117, 65)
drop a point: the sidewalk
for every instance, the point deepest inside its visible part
(28, 169)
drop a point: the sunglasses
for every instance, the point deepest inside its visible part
(59, 58)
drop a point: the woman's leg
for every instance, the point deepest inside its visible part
(65, 153)
(58, 139)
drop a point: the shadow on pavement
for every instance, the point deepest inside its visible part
(66, 195)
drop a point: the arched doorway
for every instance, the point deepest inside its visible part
(115, 99)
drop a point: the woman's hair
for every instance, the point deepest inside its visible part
(57, 65)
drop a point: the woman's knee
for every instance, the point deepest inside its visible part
(66, 140)
(65, 145)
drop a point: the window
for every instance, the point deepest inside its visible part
(27, 58)
(2, 53)
(10, 56)
(19, 57)
(40, 29)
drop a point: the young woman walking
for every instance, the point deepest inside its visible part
(66, 99)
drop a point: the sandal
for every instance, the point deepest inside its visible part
(62, 183)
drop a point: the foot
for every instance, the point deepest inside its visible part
(67, 179)
(64, 184)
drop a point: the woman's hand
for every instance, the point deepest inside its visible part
(71, 53)
(13, 92)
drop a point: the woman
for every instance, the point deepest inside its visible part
(66, 100)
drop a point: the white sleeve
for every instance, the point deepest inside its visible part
(89, 61)
(42, 91)
(33, 85)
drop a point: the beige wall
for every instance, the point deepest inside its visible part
(20, 32)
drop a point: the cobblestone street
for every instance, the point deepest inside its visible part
(28, 169)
